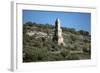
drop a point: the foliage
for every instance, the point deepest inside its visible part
(73, 57)
(83, 32)
(41, 47)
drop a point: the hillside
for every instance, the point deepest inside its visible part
(38, 44)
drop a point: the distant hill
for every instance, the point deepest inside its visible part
(39, 46)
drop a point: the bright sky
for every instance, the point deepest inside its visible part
(79, 21)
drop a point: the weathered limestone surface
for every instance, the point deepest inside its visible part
(58, 33)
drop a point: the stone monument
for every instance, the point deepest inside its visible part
(58, 33)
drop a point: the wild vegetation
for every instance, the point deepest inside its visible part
(39, 46)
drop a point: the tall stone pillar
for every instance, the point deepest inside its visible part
(58, 33)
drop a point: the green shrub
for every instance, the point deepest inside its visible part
(54, 57)
(65, 53)
(73, 57)
(35, 54)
